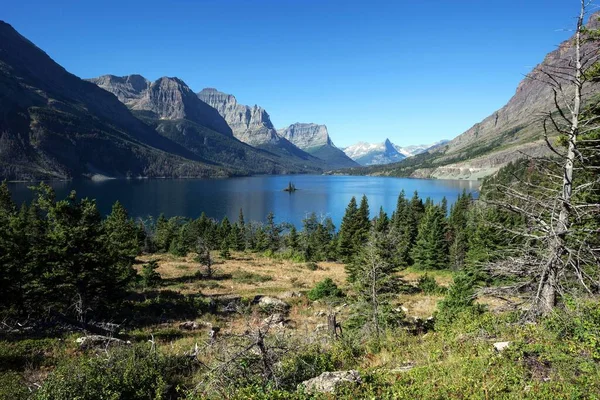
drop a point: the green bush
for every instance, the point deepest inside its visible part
(12, 386)
(460, 297)
(323, 289)
(150, 277)
(428, 285)
(125, 373)
(250, 277)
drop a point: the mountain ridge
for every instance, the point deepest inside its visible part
(314, 139)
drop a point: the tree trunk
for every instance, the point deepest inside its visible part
(549, 285)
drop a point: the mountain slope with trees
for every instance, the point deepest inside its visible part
(54, 125)
(514, 131)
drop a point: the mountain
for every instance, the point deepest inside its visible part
(252, 125)
(510, 133)
(166, 98)
(171, 108)
(315, 140)
(413, 150)
(374, 153)
(54, 125)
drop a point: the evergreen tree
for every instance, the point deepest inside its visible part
(150, 277)
(273, 232)
(375, 285)
(430, 250)
(382, 222)
(121, 235)
(457, 230)
(347, 232)
(240, 240)
(401, 230)
(292, 239)
(164, 233)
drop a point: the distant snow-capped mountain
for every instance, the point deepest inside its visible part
(386, 152)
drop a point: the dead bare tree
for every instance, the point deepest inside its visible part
(558, 198)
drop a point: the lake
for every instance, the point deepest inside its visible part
(257, 195)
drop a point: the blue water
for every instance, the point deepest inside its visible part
(257, 196)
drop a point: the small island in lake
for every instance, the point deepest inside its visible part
(290, 188)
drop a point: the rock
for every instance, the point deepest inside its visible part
(404, 368)
(251, 125)
(189, 326)
(404, 309)
(320, 313)
(328, 382)
(315, 140)
(341, 307)
(501, 346)
(94, 341)
(167, 98)
(274, 319)
(273, 303)
(289, 295)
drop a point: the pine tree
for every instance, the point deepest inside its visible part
(375, 285)
(347, 232)
(457, 230)
(382, 222)
(240, 241)
(430, 250)
(273, 232)
(292, 239)
(121, 235)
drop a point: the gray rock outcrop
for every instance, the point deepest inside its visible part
(251, 125)
(166, 99)
(307, 136)
(329, 382)
(315, 140)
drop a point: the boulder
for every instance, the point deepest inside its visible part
(273, 303)
(277, 318)
(96, 341)
(501, 346)
(290, 295)
(189, 326)
(328, 382)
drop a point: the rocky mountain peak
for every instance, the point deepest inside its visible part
(307, 135)
(251, 125)
(168, 98)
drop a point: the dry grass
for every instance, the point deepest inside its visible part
(249, 274)
(271, 277)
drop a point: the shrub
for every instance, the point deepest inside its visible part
(313, 266)
(325, 288)
(127, 373)
(460, 297)
(150, 277)
(250, 277)
(428, 285)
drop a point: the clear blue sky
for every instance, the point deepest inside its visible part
(412, 71)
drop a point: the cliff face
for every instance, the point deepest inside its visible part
(315, 140)
(166, 98)
(251, 125)
(56, 125)
(306, 136)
